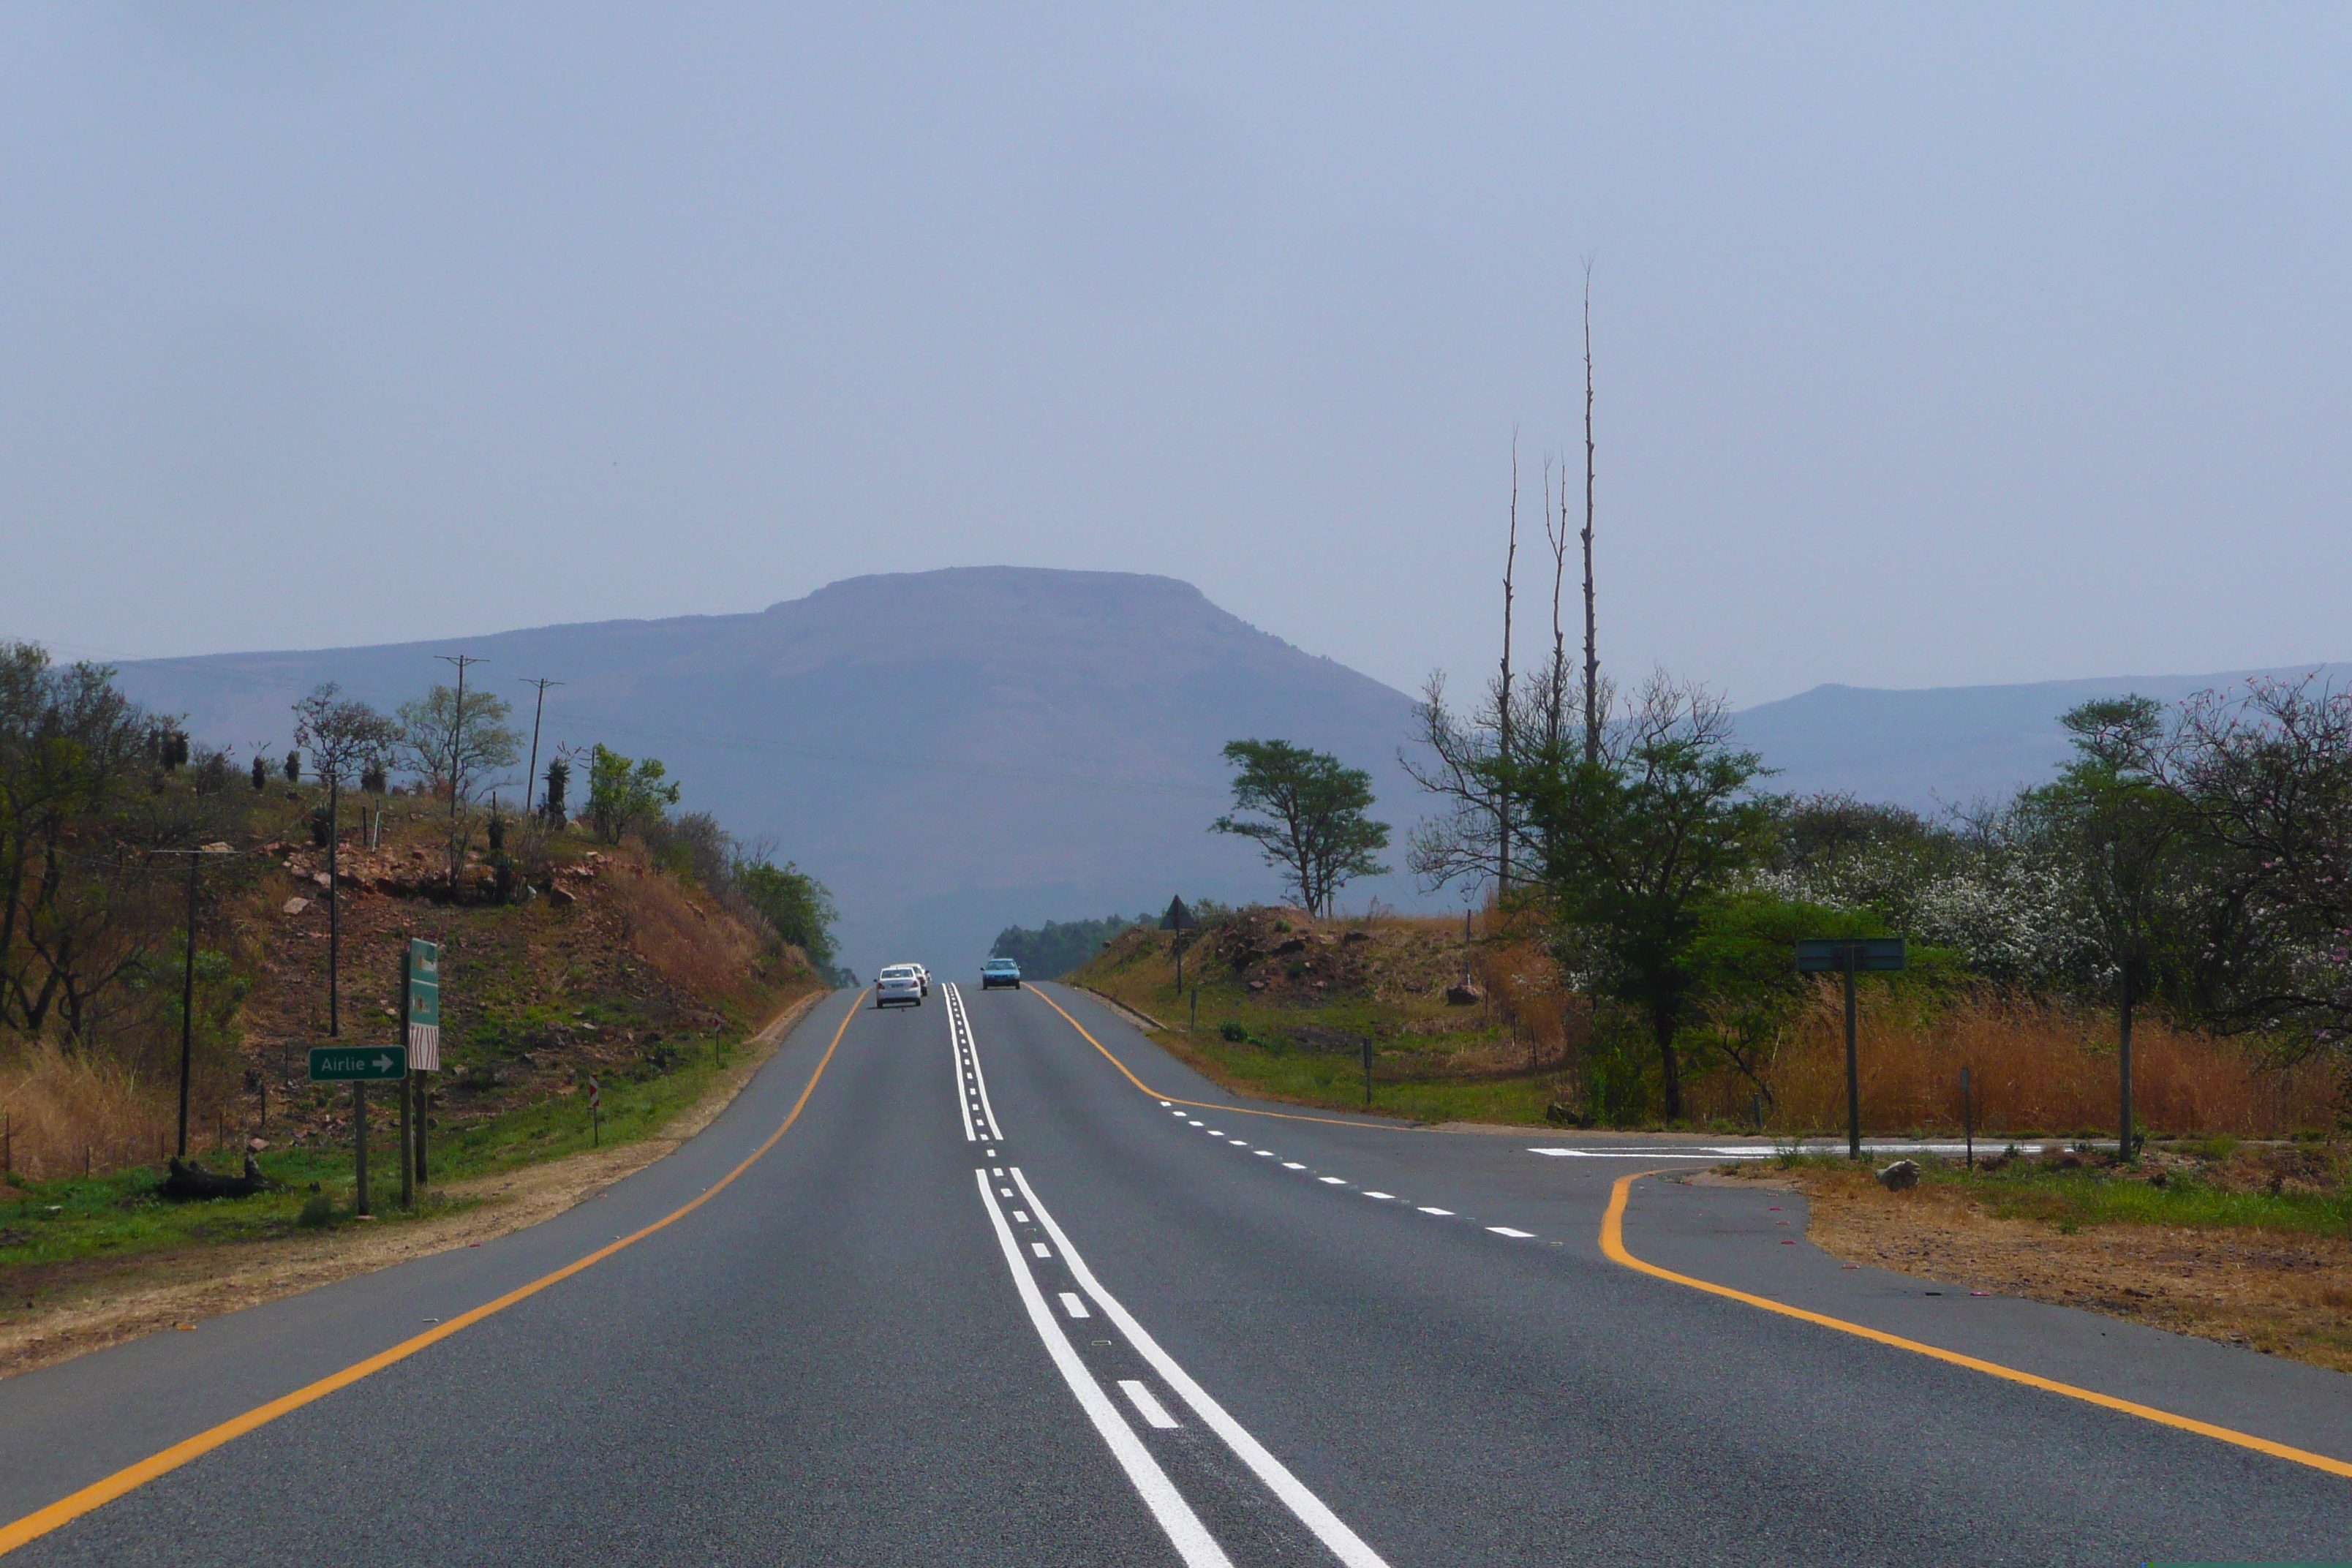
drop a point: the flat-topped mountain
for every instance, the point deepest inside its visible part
(952, 751)
(958, 751)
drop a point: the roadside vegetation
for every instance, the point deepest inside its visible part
(2247, 1243)
(612, 942)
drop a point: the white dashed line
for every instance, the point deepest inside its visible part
(1190, 1538)
(1292, 1166)
(1389, 1196)
(1041, 1249)
(1005, 1192)
(1266, 1153)
(1192, 1123)
(1332, 1181)
(1072, 1305)
(1514, 1235)
(1154, 1413)
(1337, 1537)
(1019, 1218)
(1445, 1214)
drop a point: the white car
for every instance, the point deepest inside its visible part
(924, 974)
(899, 985)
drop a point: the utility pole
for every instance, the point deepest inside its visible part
(188, 990)
(334, 905)
(532, 778)
(1591, 651)
(456, 755)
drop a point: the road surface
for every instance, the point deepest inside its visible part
(1013, 1287)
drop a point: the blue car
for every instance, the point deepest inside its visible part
(999, 971)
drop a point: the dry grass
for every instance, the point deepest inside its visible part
(66, 1111)
(2278, 1291)
(694, 945)
(2036, 1068)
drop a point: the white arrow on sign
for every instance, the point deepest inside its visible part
(382, 1064)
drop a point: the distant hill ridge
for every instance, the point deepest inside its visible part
(1950, 744)
(961, 750)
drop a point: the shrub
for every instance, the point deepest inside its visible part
(293, 767)
(317, 1211)
(1234, 1031)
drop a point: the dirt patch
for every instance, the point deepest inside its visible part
(103, 1303)
(2283, 1293)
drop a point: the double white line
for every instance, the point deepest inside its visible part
(1190, 1538)
(971, 1086)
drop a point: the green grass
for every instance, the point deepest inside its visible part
(1337, 1082)
(121, 1214)
(2069, 1200)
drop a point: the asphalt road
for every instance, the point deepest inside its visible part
(988, 1301)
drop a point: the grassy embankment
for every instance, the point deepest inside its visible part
(629, 975)
(1285, 1007)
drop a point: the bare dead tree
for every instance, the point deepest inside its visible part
(1502, 698)
(1592, 710)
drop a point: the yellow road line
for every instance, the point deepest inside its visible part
(1612, 1242)
(98, 1493)
(1203, 1104)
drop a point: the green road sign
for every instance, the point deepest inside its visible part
(424, 1005)
(1869, 953)
(357, 1063)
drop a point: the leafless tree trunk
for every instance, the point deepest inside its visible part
(1503, 701)
(1592, 647)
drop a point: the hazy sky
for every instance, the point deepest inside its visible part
(1933, 348)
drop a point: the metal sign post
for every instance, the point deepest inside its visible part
(359, 1066)
(420, 1007)
(1848, 956)
(595, 1120)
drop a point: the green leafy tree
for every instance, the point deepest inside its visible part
(1056, 947)
(454, 745)
(796, 905)
(1635, 843)
(622, 791)
(2110, 816)
(1315, 826)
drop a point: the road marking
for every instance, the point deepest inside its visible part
(1006, 1191)
(1191, 1125)
(98, 1494)
(1391, 1197)
(962, 1017)
(1717, 1155)
(1146, 1405)
(1613, 1243)
(1072, 1305)
(1444, 1214)
(1268, 1153)
(1189, 1536)
(1514, 1235)
(1040, 1248)
(1337, 1537)
(1020, 1218)
(956, 1056)
(1203, 1104)
(1292, 1166)
(1332, 1181)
